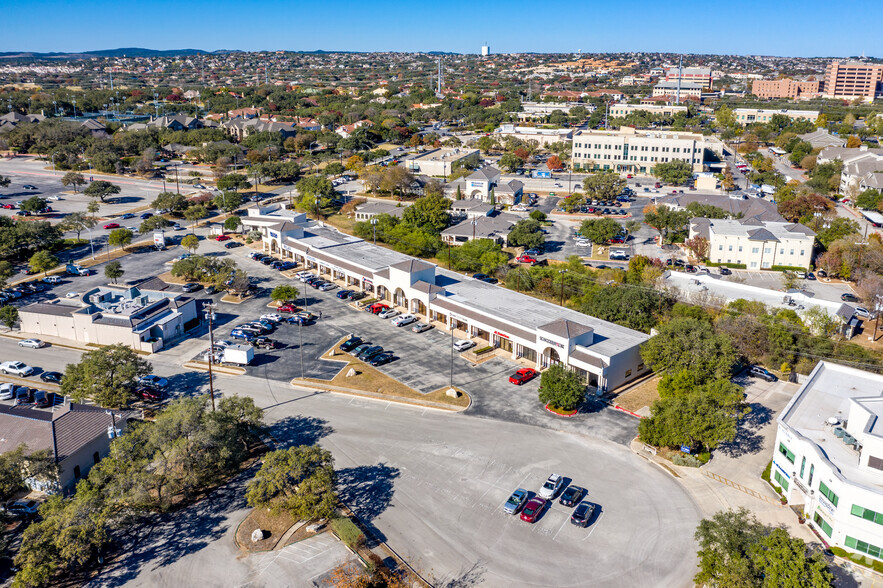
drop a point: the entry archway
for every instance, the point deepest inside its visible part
(550, 357)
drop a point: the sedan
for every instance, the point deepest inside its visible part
(327, 286)
(149, 394)
(191, 287)
(516, 501)
(127, 216)
(760, 372)
(287, 308)
(388, 313)
(153, 381)
(533, 509)
(848, 297)
(232, 245)
(359, 349)
(52, 377)
(178, 227)
(382, 358)
(582, 514)
(523, 375)
(571, 496)
(146, 215)
(344, 294)
(222, 238)
(112, 226)
(421, 327)
(272, 317)
(29, 187)
(32, 343)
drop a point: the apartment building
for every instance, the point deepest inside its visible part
(754, 243)
(668, 110)
(862, 167)
(637, 151)
(701, 76)
(828, 456)
(852, 80)
(746, 116)
(787, 88)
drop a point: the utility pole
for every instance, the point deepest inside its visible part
(561, 273)
(209, 310)
(374, 227)
(680, 74)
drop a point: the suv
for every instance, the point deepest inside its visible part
(760, 372)
(463, 345)
(16, 368)
(551, 486)
(21, 508)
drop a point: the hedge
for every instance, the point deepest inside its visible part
(729, 265)
(484, 350)
(787, 268)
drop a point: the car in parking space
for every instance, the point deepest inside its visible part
(421, 327)
(32, 343)
(810, 276)
(725, 271)
(150, 394)
(272, 317)
(112, 226)
(153, 381)
(242, 334)
(761, 372)
(232, 245)
(317, 283)
(382, 358)
(146, 215)
(127, 216)
(526, 259)
(42, 399)
(404, 320)
(299, 319)
(351, 343)
(863, 312)
(52, 377)
(377, 308)
(388, 313)
(463, 344)
(222, 237)
(551, 486)
(571, 496)
(849, 297)
(582, 514)
(522, 376)
(191, 287)
(327, 286)
(515, 501)
(8, 206)
(583, 243)
(533, 509)
(256, 254)
(178, 227)
(357, 296)
(21, 508)
(369, 353)
(305, 276)
(23, 395)
(264, 343)
(288, 307)
(358, 349)
(7, 391)
(344, 294)
(16, 368)
(269, 325)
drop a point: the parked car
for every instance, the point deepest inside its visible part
(350, 343)
(272, 317)
(7, 391)
(127, 216)
(264, 343)
(358, 349)
(571, 496)
(526, 259)
(725, 271)
(404, 320)
(146, 215)
(222, 237)
(23, 395)
(242, 334)
(287, 308)
(344, 294)
(388, 313)
(153, 381)
(551, 486)
(232, 245)
(515, 501)
(463, 345)
(533, 509)
(16, 368)
(863, 312)
(847, 296)
(191, 287)
(112, 226)
(327, 286)
(42, 399)
(150, 394)
(377, 308)
(382, 358)
(32, 343)
(582, 514)
(357, 296)
(523, 375)
(760, 372)
(21, 508)
(52, 377)
(421, 327)
(369, 353)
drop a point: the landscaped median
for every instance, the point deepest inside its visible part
(370, 382)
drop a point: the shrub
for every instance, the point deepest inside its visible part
(729, 265)
(787, 268)
(348, 532)
(683, 459)
(484, 350)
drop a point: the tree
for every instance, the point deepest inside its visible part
(234, 182)
(77, 222)
(699, 247)
(190, 243)
(554, 163)
(537, 215)
(228, 201)
(153, 223)
(476, 255)
(869, 199)
(299, 480)
(101, 189)
(687, 343)
(605, 186)
(120, 237)
(232, 223)
(526, 233)
(194, 214)
(114, 270)
(674, 172)
(429, 213)
(805, 205)
(42, 261)
(600, 230)
(699, 417)
(170, 201)
(727, 182)
(510, 162)
(8, 315)
(312, 188)
(561, 388)
(725, 117)
(107, 375)
(34, 204)
(822, 121)
(4, 181)
(73, 179)
(635, 308)
(284, 293)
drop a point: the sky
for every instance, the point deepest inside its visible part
(747, 27)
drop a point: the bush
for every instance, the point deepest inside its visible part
(484, 350)
(683, 459)
(787, 268)
(704, 457)
(348, 532)
(729, 265)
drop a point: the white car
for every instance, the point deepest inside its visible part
(16, 368)
(32, 343)
(52, 280)
(53, 197)
(583, 243)
(223, 343)
(389, 313)
(71, 294)
(306, 276)
(7, 391)
(404, 320)
(551, 486)
(463, 344)
(273, 317)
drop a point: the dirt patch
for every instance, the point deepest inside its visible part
(640, 396)
(274, 527)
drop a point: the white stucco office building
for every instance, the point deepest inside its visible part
(637, 151)
(828, 456)
(755, 243)
(604, 354)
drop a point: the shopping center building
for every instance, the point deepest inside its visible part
(605, 355)
(828, 456)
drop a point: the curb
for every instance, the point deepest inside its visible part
(627, 411)
(222, 369)
(567, 416)
(416, 403)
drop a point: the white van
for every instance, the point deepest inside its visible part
(52, 280)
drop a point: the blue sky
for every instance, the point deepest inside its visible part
(787, 27)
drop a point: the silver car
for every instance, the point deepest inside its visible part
(516, 501)
(32, 343)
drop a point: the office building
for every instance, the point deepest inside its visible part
(701, 76)
(754, 243)
(787, 88)
(543, 137)
(485, 50)
(666, 110)
(635, 151)
(852, 80)
(436, 162)
(747, 116)
(672, 89)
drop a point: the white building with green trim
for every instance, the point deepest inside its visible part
(828, 456)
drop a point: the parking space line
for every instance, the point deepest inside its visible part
(594, 526)
(564, 522)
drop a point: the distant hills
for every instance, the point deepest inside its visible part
(124, 51)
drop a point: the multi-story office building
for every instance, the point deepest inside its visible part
(746, 116)
(754, 243)
(635, 151)
(828, 456)
(853, 80)
(696, 75)
(685, 89)
(787, 88)
(621, 110)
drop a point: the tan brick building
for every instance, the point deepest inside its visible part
(853, 80)
(787, 88)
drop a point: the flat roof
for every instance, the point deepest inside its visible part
(828, 393)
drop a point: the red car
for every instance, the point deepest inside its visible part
(617, 240)
(533, 509)
(149, 394)
(523, 375)
(630, 176)
(526, 259)
(377, 308)
(222, 238)
(112, 226)
(287, 308)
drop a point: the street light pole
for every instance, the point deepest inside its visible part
(177, 185)
(300, 330)
(374, 227)
(209, 310)
(561, 273)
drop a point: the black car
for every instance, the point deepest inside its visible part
(211, 290)
(571, 495)
(350, 343)
(146, 215)
(42, 399)
(344, 294)
(360, 348)
(52, 377)
(582, 514)
(725, 271)
(276, 264)
(849, 297)
(232, 244)
(369, 353)
(382, 358)
(263, 343)
(268, 260)
(357, 295)
(316, 283)
(479, 276)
